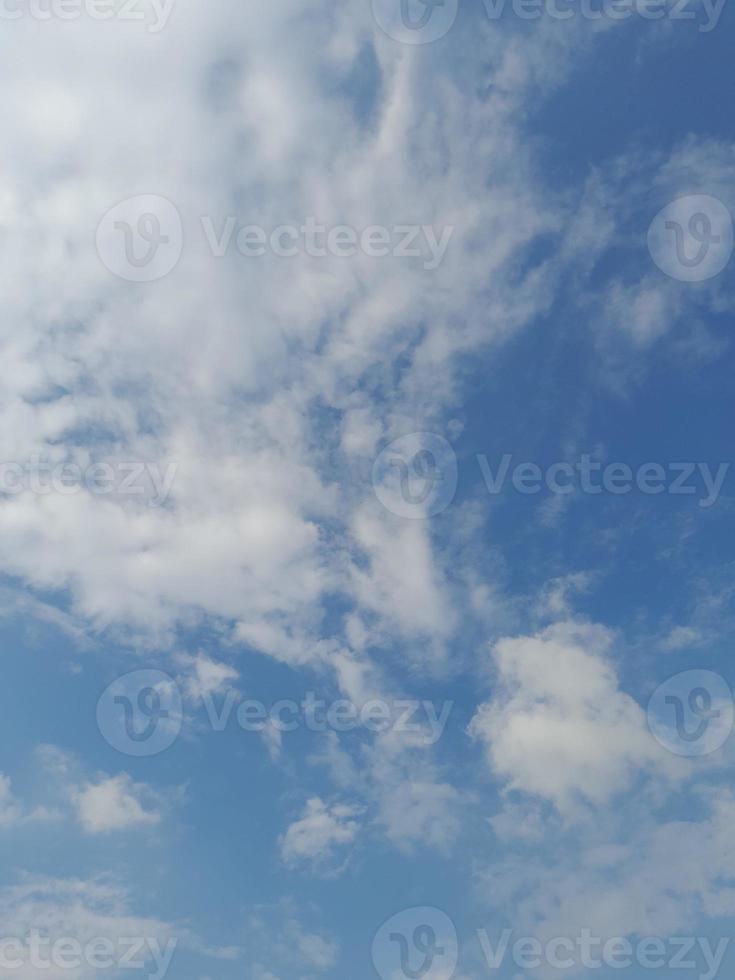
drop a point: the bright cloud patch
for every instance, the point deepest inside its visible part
(558, 725)
(114, 803)
(321, 834)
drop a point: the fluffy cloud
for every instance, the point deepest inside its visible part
(204, 676)
(558, 726)
(320, 836)
(260, 380)
(266, 384)
(100, 804)
(114, 803)
(401, 582)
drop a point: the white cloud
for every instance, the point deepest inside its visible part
(656, 879)
(261, 380)
(554, 602)
(73, 909)
(13, 813)
(402, 583)
(205, 676)
(320, 836)
(682, 638)
(101, 804)
(114, 803)
(421, 813)
(85, 911)
(639, 306)
(558, 726)
(269, 383)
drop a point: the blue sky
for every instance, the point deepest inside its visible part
(365, 493)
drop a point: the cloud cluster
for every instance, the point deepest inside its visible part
(241, 372)
(98, 804)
